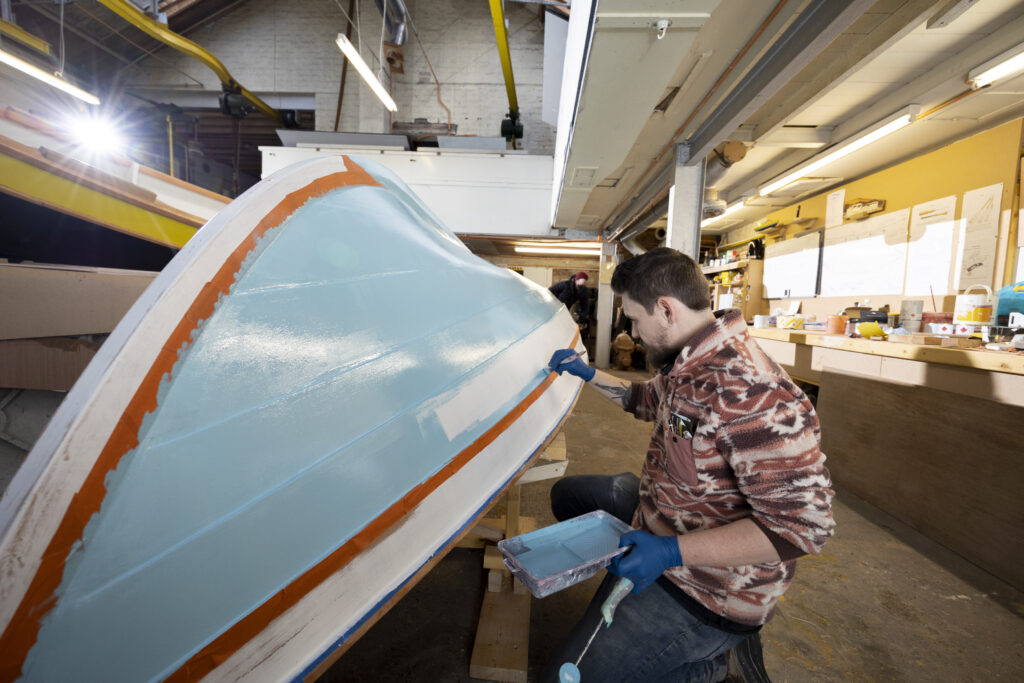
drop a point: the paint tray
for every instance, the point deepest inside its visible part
(556, 557)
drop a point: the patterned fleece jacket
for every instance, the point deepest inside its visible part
(734, 437)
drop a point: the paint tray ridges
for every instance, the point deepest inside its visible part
(556, 557)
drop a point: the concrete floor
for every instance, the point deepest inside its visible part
(882, 603)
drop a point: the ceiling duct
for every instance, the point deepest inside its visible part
(394, 14)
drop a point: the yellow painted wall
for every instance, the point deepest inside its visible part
(984, 159)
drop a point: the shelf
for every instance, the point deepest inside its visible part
(735, 265)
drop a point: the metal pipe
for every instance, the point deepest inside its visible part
(501, 34)
(133, 16)
(170, 143)
(344, 67)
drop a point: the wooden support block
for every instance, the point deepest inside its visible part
(493, 528)
(492, 558)
(555, 449)
(496, 580)
(552, 470)
(518, 587)
(923, 339)
(512, 498)
(957, 343)
(501, 648)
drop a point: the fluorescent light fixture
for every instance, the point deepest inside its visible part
(730, 209)
(1007, 64)
(871, 134)
(350, 51)
(35, 72)
(563, 251)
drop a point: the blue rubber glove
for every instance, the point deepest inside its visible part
(648, 558)
(574, 367)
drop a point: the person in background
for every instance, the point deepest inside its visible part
(733, 488)
(572, 291)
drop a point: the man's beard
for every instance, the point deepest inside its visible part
(660, 356)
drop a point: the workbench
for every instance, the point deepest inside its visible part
(931, 435)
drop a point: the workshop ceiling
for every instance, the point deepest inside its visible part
(789, 79)
(102, 42)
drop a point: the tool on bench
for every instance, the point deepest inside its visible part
(570, 672)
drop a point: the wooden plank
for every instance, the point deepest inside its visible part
(542, 472)
(962, 342)
(58, 301)
(496, 580)
(512, 499)
(926, 339)
(945, 463)
(501, 648)
(494, 525)
(492, 558)
(556, 449)
(52, 364)
(980, 359)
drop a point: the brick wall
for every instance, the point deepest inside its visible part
(287, 46)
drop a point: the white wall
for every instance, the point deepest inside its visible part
(472, 193)
(287, 46)
(542, 276)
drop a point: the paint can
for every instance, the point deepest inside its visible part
(911, 314)
(973, 309)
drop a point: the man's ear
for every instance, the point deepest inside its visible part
(666, 310)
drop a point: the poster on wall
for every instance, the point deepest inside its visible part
(979, 234)
(867, 257)
(930, 247)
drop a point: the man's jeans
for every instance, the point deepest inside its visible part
(652, 638)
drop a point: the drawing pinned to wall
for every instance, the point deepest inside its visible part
(930, 248)
(791, 267)
(867, 257)
(979, 233)
(834, 208)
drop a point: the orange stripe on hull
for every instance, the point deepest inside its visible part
(23, 629)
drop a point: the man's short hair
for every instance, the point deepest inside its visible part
(662, 272)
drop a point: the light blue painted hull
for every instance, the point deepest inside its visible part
(308, 404)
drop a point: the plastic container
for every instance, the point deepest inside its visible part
(561, 555)
(836, 324)
(973, 309)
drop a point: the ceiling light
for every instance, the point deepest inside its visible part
(731, 209)
(350, 51)
(871, 134)
(34, 71)
(1007, 64)
(558, 250)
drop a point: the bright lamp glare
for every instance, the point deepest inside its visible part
(97, 135)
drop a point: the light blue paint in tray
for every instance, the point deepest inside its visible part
(556, 557)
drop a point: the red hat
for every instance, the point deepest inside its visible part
(579, 275)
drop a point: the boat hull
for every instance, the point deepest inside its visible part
(313, 401)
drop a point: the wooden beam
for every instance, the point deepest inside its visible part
(501, 648)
